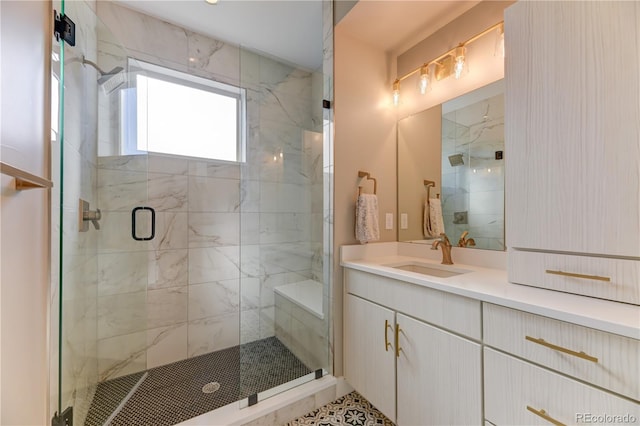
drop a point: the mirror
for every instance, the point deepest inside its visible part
(458, 145)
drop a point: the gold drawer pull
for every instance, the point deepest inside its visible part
(398, 348)
(561, 349)
(544, 415)
(386, 338)
(571, 274)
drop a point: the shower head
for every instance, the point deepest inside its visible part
(109, 81)
(112, 80)
(456, 160)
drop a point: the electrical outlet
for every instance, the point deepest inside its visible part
(389, 221)
(404, 221)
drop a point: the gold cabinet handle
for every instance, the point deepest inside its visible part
(571, 274)
(398, 348)
(544, 415)
(386, 338)
(561, 349)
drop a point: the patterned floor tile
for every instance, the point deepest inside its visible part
(351, 409)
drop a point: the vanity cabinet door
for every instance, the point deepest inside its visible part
(520, 393)
(439, 376)
(572, 127)
(369, 352)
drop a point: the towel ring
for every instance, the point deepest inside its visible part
(429, 184)
(361, 175)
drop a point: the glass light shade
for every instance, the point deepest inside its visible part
(459, 61)
(396, 92)
(424, 79)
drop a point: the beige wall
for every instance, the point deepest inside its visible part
(365, 139)
(365, 119)
(419, 147)
(25, 39)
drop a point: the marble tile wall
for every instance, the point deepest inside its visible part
(226, 234)
(302, 333)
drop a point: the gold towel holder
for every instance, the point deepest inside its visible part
(429, 184)
(367, 175)
(24, 179)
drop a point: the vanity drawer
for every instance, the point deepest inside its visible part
(450, 311)
(605, 278)
(514, 389)
(604, 359)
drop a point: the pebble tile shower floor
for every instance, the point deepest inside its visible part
(173, 393)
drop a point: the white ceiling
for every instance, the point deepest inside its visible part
(287, 29)
(291, 30)
(396, 25)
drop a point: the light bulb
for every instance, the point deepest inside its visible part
(500, 41)
(396, 92)
(424, 79)
(489, 170)
(281, 155)
(275, 158)
(459, 58)
(474, 170)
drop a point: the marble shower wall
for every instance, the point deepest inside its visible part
(477, 187)
(227, 233)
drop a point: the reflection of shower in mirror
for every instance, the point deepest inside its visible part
(456, 160)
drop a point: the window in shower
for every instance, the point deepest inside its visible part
(170, 112)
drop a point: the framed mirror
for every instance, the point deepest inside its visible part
(459, 146)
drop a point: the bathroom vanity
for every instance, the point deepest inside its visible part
(472, 347)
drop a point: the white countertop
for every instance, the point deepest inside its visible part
(491, 285)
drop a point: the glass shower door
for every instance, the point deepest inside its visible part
(285, 240)
(101, 244)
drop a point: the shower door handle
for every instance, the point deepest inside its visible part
(133, 224)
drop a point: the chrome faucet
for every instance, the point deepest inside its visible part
(445, 246)
(466, 242)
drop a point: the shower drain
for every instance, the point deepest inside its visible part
(211, 387)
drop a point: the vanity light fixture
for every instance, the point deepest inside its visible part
(396, 92)
(458, 57)
(452, 62)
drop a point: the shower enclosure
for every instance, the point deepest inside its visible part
(191, 219)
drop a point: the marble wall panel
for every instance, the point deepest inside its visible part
(212, 334)
(213, 264)
(213, 299)
(167, 268)
(166, 345)
(213, 229)
(213, 195)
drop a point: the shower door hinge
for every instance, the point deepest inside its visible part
(64, 27)
(64, 419)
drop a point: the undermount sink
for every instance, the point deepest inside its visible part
(429, 269)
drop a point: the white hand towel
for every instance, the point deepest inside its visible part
(367, 218)
(433, 223)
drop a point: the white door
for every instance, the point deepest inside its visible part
(439, 376)
(369, 353)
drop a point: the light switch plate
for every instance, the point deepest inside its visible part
(404, 221)
(389, 221)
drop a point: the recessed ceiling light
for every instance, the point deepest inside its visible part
(211, 1)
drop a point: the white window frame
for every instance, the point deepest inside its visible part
(128, 105)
